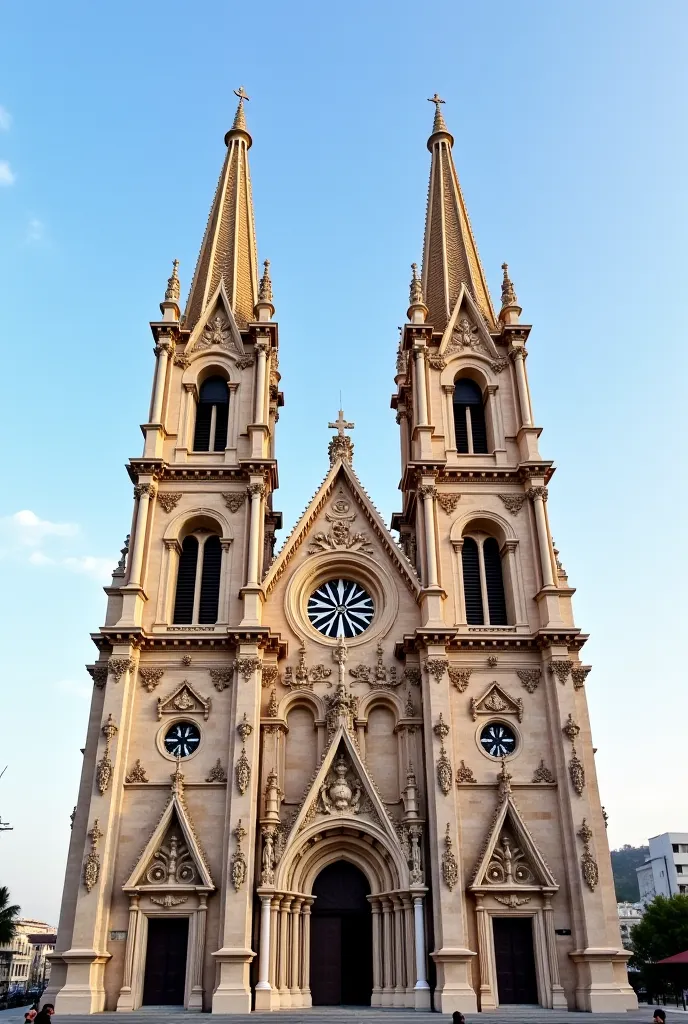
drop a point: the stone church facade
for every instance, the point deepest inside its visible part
(360, 770)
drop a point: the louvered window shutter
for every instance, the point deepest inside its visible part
(471, 583)
(186, 581)
(213, 392)
(460, 427)
(479, 428)
(210, 580)
(204, 412)
(221, 421)
(468, 394)
(494, 583)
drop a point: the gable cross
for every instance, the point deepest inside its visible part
(436, 100)
(341, 425)
(242, 95)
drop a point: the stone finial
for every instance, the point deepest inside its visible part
(265, 287)
(417, 311)
(173, 289)
(177, 779)
(121, 568)
(341, 446)
(240, 118)
(504, 781)
(438, 124)
(510, 310)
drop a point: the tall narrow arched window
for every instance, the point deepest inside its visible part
(197, 595)
(469, 418)
(212, 416)
(483, 583)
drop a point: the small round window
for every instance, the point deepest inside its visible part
(498, 740)
(182, 739)
(340, 608)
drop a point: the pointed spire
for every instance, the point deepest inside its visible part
(450, 255)
(228, 251)
(417, 311)
(264, 307)
(510, 311)
(169, 307)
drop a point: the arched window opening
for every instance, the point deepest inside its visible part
(469, 418)
(197, 595)
(483, 582)
(212, 416)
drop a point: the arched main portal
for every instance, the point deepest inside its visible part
(341, 946)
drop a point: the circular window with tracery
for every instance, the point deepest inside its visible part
(498, 740)
(340, 608)
(182, 739)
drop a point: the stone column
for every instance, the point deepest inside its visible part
(495, 417)
(306, 953)
(421, 388)
(163, 351)
(145, 493)
(223, 609)
(295, 950)
(428, 493)
(377, 951)
(196, 997)
(264, 952)
(558, 997)
(538, 496)
(256, 494)
(409, 946)
(450, 438)
(274, 947)
(399, 986)
(513, 582)
(402, 420)
(459, 601)
(518, 356)
(168, 574)
(387, 953)
(186, 417)
(422, 987)
(126, 998)
(262, 349)
(487, 996)
(285, 996)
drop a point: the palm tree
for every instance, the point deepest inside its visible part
(8, 916)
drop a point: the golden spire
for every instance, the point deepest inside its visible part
(265, 287)
(510, 311)
(228, 251)
(450, 255)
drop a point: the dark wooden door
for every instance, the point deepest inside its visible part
(341, 938)
(163, 983)
(515, 960)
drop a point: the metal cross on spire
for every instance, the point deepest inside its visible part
(438, 125)
(431, 99)
(242, 95)
(341, 446)
(341, 425)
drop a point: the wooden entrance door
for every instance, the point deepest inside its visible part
(341, 938)
(515, 960)
(163, 983)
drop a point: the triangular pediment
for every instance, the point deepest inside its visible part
(466, 332)
(511, 860)
(216, 329)
(184, 699)
(350, 522)
(496, 701)
(172, 858)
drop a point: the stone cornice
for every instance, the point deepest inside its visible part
(482, 643)
(189, 638)
(160, 470)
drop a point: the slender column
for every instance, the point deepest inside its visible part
(256, 492)
(262, 348)
(377, 950)
(223, 616)
(449, 414)
(185, 423)
(306, 952)
(387, 953)
(421, 390)
(171, 552)
(283, 951)
(495, 416)
(399, 985)
(131, 941)
(196, 997)
(459, 602)
(274, 911)
(558, 997)
(514, 582)
(408, 941)
(264, 957)
(428, 493)
(163, 351)
(295, 949)
(538, 496)
(419, 922)
(483, 585)
(518, 355)
(402, 420)
(487, 998)
(144, 493)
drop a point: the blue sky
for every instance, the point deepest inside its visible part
(569, 121)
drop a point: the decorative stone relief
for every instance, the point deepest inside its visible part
(238, 863)
(124, 551)
(577, 772)
(104, 766)
(216, 773)
(427, 491)
(530, 677)
(444, 771)
(221, 677)
(172, 862)
(561, 670)
(441, 728)
(513, 901)
(448, 502)
(244, 728)
(498, 365)
(437, 362)
(137, 773)
(450, 868)
(508, 865)
(493, 660)
(150, 677)
(185, 699)
(186, 660)
(459, 677)
(247, 666)
(242, 772)
(92, 862)
(169, 900)
(436, 667)
(182, 360)
(341, 791)
(379, 677)
(118, 666)
(465, 336)
(542, 774)
(513, 502)
(169, 500)
(589, 869)
(243, 362)
(464, 774)
(411, 674)
(302, 677)
(342, 707)
(579, 675)
(99, 674)
(570, 728)
(267, 874)
(270, 675)
(409, 706)
(496, 701)
(217, 331)
(273, 705)
(534, 493)
(149, 489)
(340, 536)
(234, 501)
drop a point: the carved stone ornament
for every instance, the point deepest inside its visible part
(104, 771)
(247, 666)
(340, 536)
(498, 365)
(137, 773)
(450, 868)
(169, 500)
(268, 859)
(459, 677)
(589, 869)
(342, 791)
(92, 862)
(221, 678)
(493, 661)
(99, 674)
(242, 772)
(273, 704)
(243, 362)
(542, 773)
(150, 677)
(172, 862)
(576, 772)
(579, 675)
(185, 699)
(169, 900)
(448, 502)
(147, 490)
(537, 493)
(341, 447)
(530, 677)
(216, 332)
(270, 675)
(561, 670)
(508, 865)
(181, 360)
(238, 867)
(513, 502)
(444, 771)
(465, 336)
(496, 701)
(415, 834)
(427, 491)
(302, 677)
(234, 501)
(409, 706)
(512, 901)
(256, 490)
(437, 362)
(186, 660)
(441, 729)
(244, 728)
(571, 729)
(379, 677)
(436, 667)
(216, 773)
(464, 774)
(124, 551)
(342, 708)
(118, 666)
(411, 674)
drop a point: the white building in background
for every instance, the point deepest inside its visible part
(665, 872)
(26, 960)
(629, 914)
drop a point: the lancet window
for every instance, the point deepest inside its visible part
(469, 418)
(212, 416)
(483, 582)
(198, 579)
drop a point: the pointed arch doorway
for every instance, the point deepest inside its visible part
(341, 945)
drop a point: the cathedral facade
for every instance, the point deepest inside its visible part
(359, 771)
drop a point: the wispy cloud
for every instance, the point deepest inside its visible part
(35, 231)
(5, 119)
(7, 175)
(26, 528)
(26, 536)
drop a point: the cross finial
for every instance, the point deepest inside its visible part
(341, 425)
(431, 99)
(438, 124)
(242, 95)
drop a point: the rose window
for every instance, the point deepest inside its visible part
(182, 739)
(498, 740)
(340, 608)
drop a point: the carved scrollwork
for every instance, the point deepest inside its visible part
(216, 773)
(242, 772)
(150, 677)
(464, 774)
(530, 677)
(537, 493)
(576, 772)
(169, 500)
(448, 502)
(238, 868)
(444, 772)
(542, 773)
(137, 773)
(379, 677)
(459, 677)
(269, 675)
(579, 675)
(234, 501)
(92, 862)
(221, 678)
(589, 868)
(411, 674)
(118, 666)
(513, 502)
(561, 670)
(570, 729)
(273, 704)
(450, 867)
(99, 674)
(436, 667)
(441, 728)
(247, 666)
